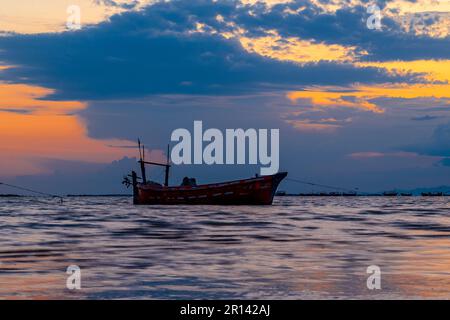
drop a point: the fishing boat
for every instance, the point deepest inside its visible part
(390, 193)
(259, 190)
(432, 194)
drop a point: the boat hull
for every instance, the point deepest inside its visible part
(253, 191)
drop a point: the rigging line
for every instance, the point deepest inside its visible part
(321, 185)
(30, 190)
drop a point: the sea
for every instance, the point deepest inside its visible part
(298, 248)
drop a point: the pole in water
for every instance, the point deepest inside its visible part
(141, 161)
(166, 180)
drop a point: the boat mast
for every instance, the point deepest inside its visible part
(166, 180)
(142, 162)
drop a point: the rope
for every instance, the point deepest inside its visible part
(321, 185)
(30, 190)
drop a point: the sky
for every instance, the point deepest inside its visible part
(356, 106)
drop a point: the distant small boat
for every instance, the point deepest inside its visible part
(406, 194)
(432, 194)
(259, 190)
(321, 194)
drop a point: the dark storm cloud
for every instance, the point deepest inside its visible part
(154, 51)
(347, 26)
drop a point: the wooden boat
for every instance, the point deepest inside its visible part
(253, 191)
(259, 190)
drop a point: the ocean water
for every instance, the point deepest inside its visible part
(299, 248)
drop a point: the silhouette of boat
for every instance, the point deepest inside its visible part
(406, 194)
(321, 194)
(259, 190)
(432, 194)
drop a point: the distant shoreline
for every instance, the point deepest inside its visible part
(66, 196)
(278, 195)
(360, 195)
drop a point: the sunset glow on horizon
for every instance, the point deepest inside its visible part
(33, 129)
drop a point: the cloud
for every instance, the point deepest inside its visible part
(441, 141)
(131, 4)
(346, 25)
(445, 162)
(437, 145)
(22, 98)
(19, 111)
(424, 118)
(433, 71)
(307, 125)
(158, 50)
(51, 15)
(374, 154)
(300, 51)
(77, 177)
(365, 97)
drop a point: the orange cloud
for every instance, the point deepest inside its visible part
(32, 128)
(323, 98)
(307, 125)
(21, 96)
(297, 50)
(432, 70)
(359, 97)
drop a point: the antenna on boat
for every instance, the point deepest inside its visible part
(139, 147)
(143, 152)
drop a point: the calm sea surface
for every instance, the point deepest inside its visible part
(299, 248)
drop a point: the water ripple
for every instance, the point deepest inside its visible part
(298, 248)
